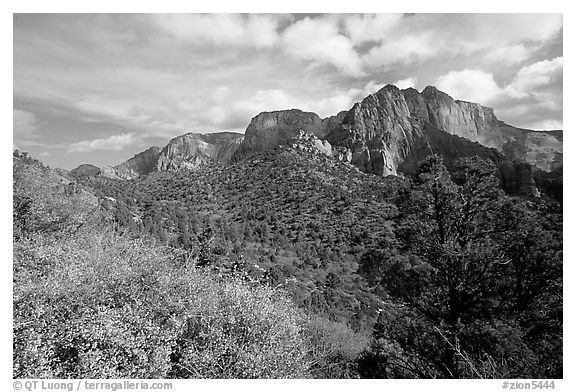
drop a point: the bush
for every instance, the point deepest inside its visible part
(99, 305)
(334, 348)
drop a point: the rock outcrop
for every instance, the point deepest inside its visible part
(479, 123)
(307, 142)
(389, 129)
(110, 172)
(139, 165)
(271, 129)
(386, 133)
(518, 178)
(187, 151)
(383, 131)
(196, 149)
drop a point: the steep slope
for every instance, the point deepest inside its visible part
(190, 150)
(139, 164)
(47, 200)
(195, 149)
(384, 137)
(271, 129)
(393, 126)
(385, 128)
(478, 123)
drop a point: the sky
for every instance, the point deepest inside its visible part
(99, 88)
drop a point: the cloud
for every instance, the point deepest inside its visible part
(405, 83)
(513, 54)
(532, 99)
(25, 125)
(547, 125)
(161, 75)
(253, 30)
(538, 79)
(470, 85)
(318, 40)
(506, 38)
(408, 49)
(370, 27)
(114, 143)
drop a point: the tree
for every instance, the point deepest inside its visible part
(450, 263)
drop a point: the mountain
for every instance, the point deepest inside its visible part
(479, 123)
(186, 151)
(196, 149)
(139, 164)
(390, 130)
(270, 129)
(386, 133)
(85, 169)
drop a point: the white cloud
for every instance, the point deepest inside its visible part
(532, 99)
(265, 100)
(25, 125)
(470, 85)
(546, 125)
(535, 78)
(220, 94)
(252, 30)
(371, 87)
(164, 74)
(318, 40)
(370, 27)
(114, 143)
(407, 49)
(505, 29)
(405, 83)
(510, 55)
(504, 38)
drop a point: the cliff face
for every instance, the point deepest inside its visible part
(138, 165)
(195, 149)
(478, 123)
(386, 133)
(186, 151)
(270, 129)
(384, 130)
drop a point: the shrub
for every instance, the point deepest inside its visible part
(334, 348)
(99, 305)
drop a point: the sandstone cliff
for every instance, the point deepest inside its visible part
(195, 149)
(138, 165)
(391, 128)
(384, 129)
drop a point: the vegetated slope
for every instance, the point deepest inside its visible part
(295, 219)
(449, 273)
(90, 302)
(85, 169)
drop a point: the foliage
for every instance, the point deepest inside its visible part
(466, 271)
(99, 305)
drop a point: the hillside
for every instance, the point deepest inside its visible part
(341, 243)
(94, 301)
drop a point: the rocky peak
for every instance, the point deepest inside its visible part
(270, 129)
(192, 150)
